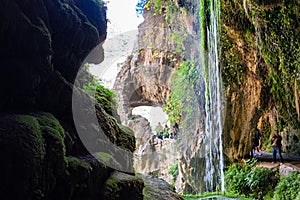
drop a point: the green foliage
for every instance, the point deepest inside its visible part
(125, 138)
(178, 40)
(105, 97)
(112, 185)
(288, 187)
(232, 69)
(249, 180)
(271, 29)
(180, 106)
(173, 171)
(173, 108)
(281, 49)
(104, 157)
(214, 195)
(233, 14)
(162, 7)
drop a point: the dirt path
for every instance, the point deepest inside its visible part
(291, 162)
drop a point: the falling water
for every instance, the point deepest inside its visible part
(209, 16)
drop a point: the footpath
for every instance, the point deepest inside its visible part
(291, 162)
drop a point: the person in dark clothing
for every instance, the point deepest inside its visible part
(256, 143)
(276, 146)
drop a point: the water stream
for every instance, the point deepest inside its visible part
(214, 161)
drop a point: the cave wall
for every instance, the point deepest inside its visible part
(43, 44)
(259, 65)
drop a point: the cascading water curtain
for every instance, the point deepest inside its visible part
(214, 160)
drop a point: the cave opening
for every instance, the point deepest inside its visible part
(154, 114)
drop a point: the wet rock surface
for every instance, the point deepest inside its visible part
(156, 188)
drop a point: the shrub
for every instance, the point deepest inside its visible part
(173, 171)
(249, 180)
(288, 187)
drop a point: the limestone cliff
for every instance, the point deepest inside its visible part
(260, 68)
(166, 39)
(259, 63)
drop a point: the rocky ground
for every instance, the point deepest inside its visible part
(291, 162)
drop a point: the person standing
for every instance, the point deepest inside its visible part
(256, 143)
(276, 146)
(159, 131)
(166, 131)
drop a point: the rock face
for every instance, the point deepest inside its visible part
(153, 156)
(255, 94)
(255, 63)
(47, 40)
(156, 188)
(145, 78)
(43, 44)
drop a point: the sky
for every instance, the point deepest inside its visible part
(122, 16)
(121, 34)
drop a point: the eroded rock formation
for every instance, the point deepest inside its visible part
(256, 68)
(43, 44)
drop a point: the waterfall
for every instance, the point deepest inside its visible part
(214, 161)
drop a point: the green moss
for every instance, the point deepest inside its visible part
(28, 121)
(55, 146)
(31, 124)
(180, 106)
(108, 159)
(48, 120)
(112, 184)
(281, 49)
(271, 29)
(75, 164)
(103, 96)
(35, 153)
(105, 157)
(125, 138)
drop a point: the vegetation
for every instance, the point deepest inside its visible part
(173, 171)
(180, 107)
(288, 187)
(256, 182)
(213, 195)
(250, 180)
(271, 30)
(281, 50)
(105, 97)
(75, 164)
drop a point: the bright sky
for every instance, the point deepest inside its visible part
(122, 16)
(121, 35)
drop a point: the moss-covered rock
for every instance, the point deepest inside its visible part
(260, 67)
(83, 179)
(33, 155)
(156, 188)
(123, 186)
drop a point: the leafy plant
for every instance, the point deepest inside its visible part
(249, 180)
(173, 171)
(288, 187)
(180, 106)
